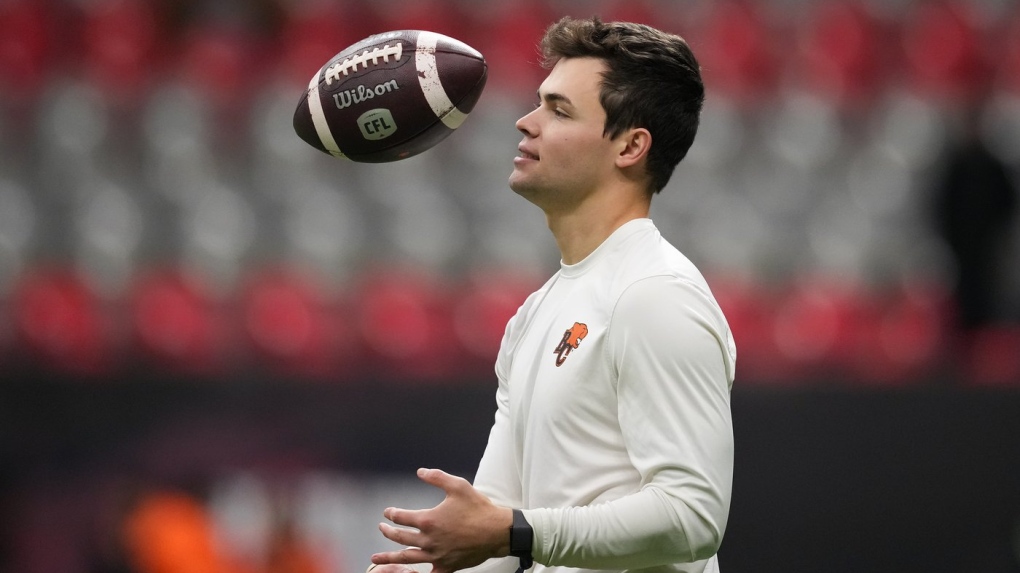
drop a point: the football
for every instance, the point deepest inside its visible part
(390, 96)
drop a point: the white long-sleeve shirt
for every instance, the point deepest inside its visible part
(613, 428)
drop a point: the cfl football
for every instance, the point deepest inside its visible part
(390, 96)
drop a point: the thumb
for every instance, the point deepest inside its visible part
(439, 478)
(395, 568)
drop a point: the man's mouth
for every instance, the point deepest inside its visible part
(524, 154)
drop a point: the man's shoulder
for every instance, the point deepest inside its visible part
(516, 325)
(649, 255)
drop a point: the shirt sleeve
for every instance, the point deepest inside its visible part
(669, 344)
(497, 476)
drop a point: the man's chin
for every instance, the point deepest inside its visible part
(520, 186)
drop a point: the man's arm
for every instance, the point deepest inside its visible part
(498, 475)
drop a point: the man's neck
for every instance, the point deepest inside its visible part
(579, 232)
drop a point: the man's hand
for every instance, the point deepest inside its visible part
(462, 531)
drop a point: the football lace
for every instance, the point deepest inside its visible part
(363, 59)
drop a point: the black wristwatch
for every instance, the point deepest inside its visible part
(521, 539)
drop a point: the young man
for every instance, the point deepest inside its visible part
(612, 447)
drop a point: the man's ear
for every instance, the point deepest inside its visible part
(635, 145)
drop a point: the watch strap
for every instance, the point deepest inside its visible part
(521, 540)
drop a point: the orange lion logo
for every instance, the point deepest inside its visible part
(571, 340)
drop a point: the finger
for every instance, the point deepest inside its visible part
(438, 478)
(408, 517)
(400, 535)
(404, 557)
(391, 568)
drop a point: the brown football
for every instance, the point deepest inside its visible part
(391, 96)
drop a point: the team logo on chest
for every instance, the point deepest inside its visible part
(571, 340)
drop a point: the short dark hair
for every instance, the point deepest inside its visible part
(652, 81)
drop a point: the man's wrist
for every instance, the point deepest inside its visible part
(522, 539)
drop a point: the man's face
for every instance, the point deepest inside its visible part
(564, 156)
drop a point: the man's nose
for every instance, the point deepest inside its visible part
(526, 124)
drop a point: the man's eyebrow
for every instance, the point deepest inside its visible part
(553, 97)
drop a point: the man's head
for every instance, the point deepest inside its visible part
(652, 81)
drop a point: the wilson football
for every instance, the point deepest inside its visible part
(390, 96)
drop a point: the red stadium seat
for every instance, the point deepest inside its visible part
(440, 16)
(746, 307)
(314, 32)
(224, 64)
(480, 314)
(640, 11)
(1007, 73)
(736, 50)
(944, 50)
(992, 357)
(60, 322)
(507, 34)
(121, 39)
(403, 320)
(295, 327)
(906, 339)
(27, 42)
(177, 324)
(819, 325)
(839, 53)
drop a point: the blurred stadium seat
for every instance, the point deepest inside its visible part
(107, 230)
(1007, 75)
(737, 51)
(993, 357)
(61, 324)
(905, 337)
(944, 51)
(819, 325)
(18, 228)
(508, 35)
(805, 131)
(178, 325)
(296, 328)
(481, 309)
(747, 309)
(403, 319)
(29, 32)
(121, 40)
(441, 16)
(314, 31)
(839, 52)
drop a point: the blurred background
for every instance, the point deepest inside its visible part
(221, 350)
